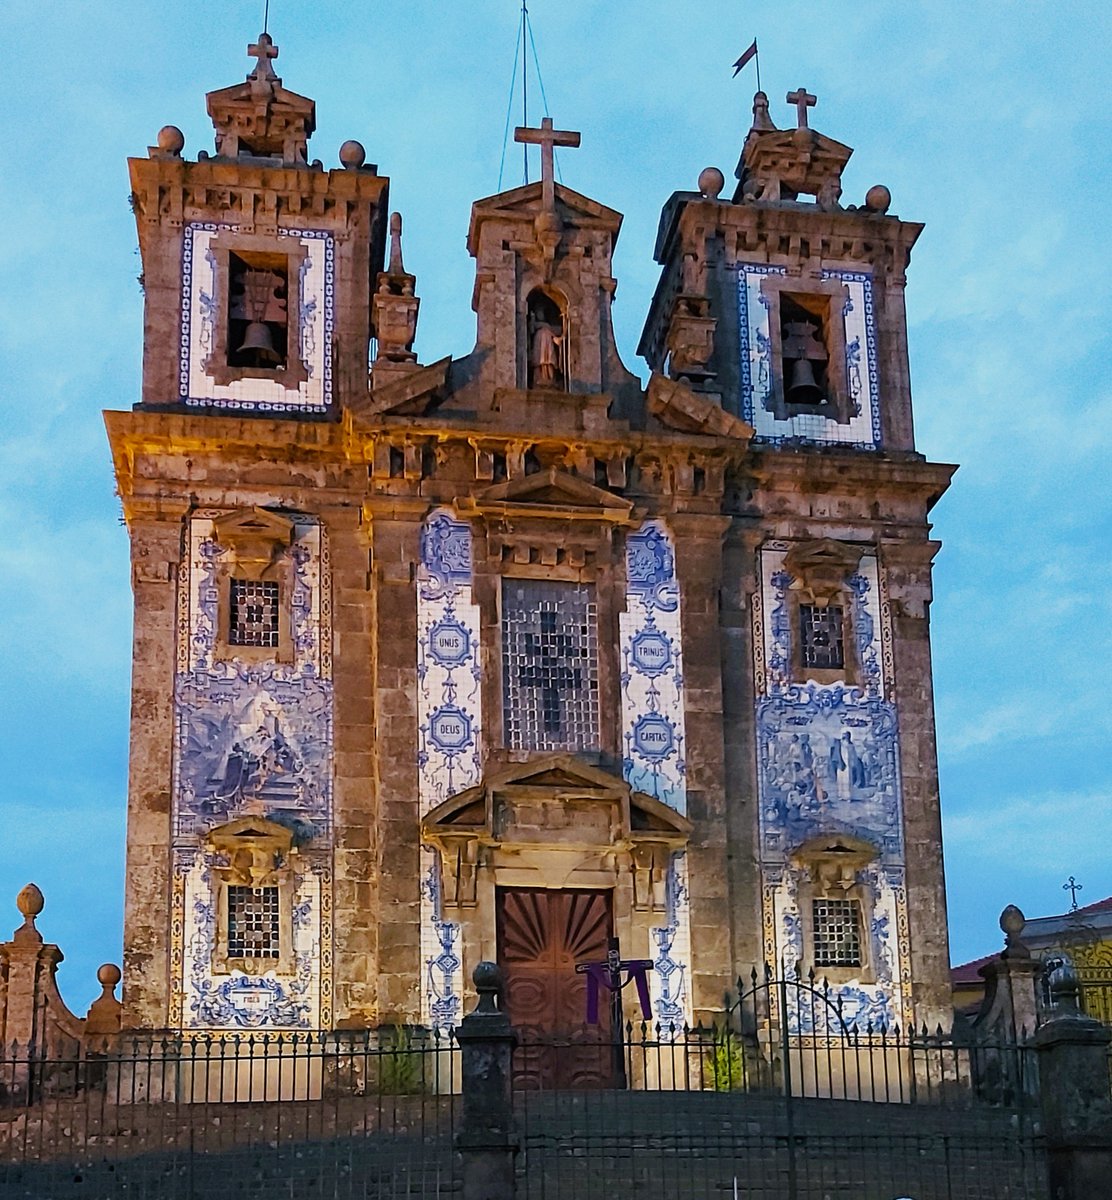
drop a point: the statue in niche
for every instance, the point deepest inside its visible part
(547, 329)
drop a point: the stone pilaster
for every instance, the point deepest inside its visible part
(156, 537)
(699, 570)
(907, 569)
(395, 540)
(354, 891)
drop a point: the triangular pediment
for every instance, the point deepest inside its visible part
(253, 522)
(526, 202)
(550, 492)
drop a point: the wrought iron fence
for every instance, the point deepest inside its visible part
(336, 1115)
(783, 1099)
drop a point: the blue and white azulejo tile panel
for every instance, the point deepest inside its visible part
(252, 738)
(449, 720)
(827, 764)
(316, 323)
(862, 431)
(653, 734)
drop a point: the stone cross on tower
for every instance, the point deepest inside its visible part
(547, 138)
(264, 50)
(803, 100)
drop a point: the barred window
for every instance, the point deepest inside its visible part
(253, 613)
(253, 922)
(549, 665)
(821, 636)
(837, 933)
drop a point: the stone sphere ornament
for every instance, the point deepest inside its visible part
(108, 975)
(171, 140)
(711, 183)
(30, 901)
(878, 198)
(352, 154)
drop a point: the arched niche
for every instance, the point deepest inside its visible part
(546, 325)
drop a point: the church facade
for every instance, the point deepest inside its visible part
(502, 656)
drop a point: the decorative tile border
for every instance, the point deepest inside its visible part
(863, 431)
(198, 314)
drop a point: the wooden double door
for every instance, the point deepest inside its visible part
(542, 934)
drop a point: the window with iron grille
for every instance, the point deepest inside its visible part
(253, 613)
(253, 922)
(821, 636)
(837, 933)
(549, 665)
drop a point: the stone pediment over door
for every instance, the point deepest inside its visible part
(554, 822)
(549, 493)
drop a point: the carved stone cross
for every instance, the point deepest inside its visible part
(803, 100)
(547, 138)
(264, 50)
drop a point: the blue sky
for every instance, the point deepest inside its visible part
(990, 122)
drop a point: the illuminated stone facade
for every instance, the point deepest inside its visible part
(412, 638)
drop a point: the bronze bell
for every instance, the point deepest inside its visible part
(802, 387)
(258, 341)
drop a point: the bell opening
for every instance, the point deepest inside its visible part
(258, 287)
(804, 351)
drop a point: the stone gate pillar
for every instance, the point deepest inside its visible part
(487, 1141)
(1074, 1084)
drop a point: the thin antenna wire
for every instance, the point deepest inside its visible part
(525, 85)
(509, 110)
(266, 17)
(544, 97)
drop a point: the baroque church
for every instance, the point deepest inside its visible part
(503, 656)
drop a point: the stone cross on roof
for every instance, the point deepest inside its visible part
(264, 50)
(803, 100)
(547, 138)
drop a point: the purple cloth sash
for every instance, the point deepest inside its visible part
(598, 977)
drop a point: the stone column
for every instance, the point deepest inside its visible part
(487, 1140)
(1074, 1087)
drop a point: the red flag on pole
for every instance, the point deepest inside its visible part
(750, 53)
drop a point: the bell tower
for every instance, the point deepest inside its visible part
(257, 263)
(244, 521)
(784, 306)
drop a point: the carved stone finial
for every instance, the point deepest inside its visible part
(265, 51)
(487, 978)
(1065, 990)
(397, 267)
(30, 903)
(803, 100)
(108, 975)
(1012, 922)
(762, 122)
(352, 155)
(711, 183)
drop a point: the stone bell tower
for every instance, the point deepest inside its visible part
(784, 307)
(257, 272)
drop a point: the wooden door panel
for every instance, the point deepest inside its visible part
(542, 935)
